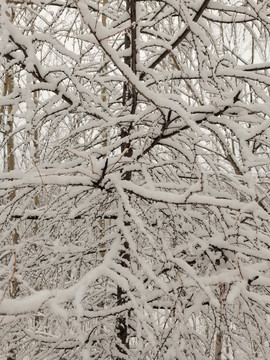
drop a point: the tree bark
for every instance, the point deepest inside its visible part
(130, 100)
(218, 348)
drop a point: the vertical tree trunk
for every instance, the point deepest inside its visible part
(13, 285)
(218, 347)
(129, 100)
(105, 140)
(219, 336)
(10, 166)
(36, 160)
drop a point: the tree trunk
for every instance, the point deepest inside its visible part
(130, 100)
(218, 347)
(13, 285)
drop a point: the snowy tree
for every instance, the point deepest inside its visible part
(134, 221)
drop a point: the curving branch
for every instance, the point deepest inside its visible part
(179, 39)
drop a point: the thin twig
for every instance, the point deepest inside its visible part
(124, 152)
(43, 184)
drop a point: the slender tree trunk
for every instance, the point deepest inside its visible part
(14, 285)
(105, 140)
(9, 165)
(218, 347)
(219, 336)
(129, 100)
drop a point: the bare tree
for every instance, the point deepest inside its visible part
(143, 220)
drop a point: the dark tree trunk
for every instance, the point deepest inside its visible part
(129, 101)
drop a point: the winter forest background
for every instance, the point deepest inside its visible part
(134, 183)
